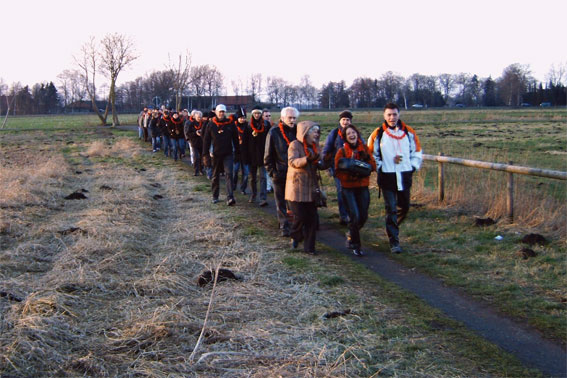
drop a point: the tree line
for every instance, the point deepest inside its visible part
(77, 89)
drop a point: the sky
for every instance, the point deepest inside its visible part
(327, 40)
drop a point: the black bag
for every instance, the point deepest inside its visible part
(355, 167)
(319, 195)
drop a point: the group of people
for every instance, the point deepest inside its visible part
(288, 154)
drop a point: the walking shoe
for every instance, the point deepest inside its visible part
(263, 203)
(252, 199)
(396, 248)
(243, 192)
(357, 252)
(231, 201)
(215, 200)
(294, 243)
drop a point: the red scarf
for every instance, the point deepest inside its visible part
(397, 137)
(283, 133)
(179, 120)
(220, 125)
(240, 131)
(306, 149)
(193, 121)
(252, 120)
(349, 152)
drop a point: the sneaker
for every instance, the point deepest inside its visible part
(252, 199)
(230, 202)
(215, 200)
(263, 203)
(294, 243)
(396, 248)
(243, 192)
(154, 151)
(357, 252)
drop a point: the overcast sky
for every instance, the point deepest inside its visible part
(328, 40)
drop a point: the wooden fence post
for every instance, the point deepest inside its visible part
(510, 199)
(441, 180)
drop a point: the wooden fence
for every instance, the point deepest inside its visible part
(511, 169)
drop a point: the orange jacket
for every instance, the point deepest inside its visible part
(349, 180)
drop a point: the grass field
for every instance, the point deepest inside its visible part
(108, 284)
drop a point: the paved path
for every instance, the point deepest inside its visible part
(524, 342)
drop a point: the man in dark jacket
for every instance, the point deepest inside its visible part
(193, 133)
(275, 159)
(334, 142)
(241, 164)
(222, 135)
(253, 152)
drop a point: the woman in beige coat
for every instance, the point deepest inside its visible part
(301, 180)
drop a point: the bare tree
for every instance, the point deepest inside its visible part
(70, 85)
(447, 83)
(557, 75)
(117, 54)
(255, 85)
(275, 87)
(513, 83)
(88, 61)
(181, 76)
(212, 80)
(307, 92)
(390, 85)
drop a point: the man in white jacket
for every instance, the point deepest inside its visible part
(398, 154)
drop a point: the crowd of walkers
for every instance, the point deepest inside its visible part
(285, 157)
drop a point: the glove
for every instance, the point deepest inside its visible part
(313, 156)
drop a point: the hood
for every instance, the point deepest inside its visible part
(302, 129)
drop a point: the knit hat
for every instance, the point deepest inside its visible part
(241, 112)
(256, 109)
(345, 114)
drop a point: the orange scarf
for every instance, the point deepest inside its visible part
(252, 120)
(350, 152)
(306, 149)
(283, 133)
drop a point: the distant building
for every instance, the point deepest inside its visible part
(210, 102)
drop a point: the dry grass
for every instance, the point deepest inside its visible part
(119, 295)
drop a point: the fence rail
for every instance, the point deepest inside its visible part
(510, 168)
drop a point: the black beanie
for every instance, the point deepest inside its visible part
(345, 114)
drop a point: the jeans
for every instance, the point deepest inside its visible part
(166, 145)
(356, 201)
(397, 206)
(175, 147)
(254, 183)
(304, 226)
(245, 171)
(156, 143)
(281, 207)
(218, 163)
(140, 132)
(196, 159)
(342, 208)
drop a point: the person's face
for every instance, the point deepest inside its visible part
(344, 122)
(289, 118)
(313, 135)
(198, 117)
(256, 115)
(267, 116)
(175, 115)
(351, 136)
(391, 116)
(155, 114)
(241, 119)
(221, 114)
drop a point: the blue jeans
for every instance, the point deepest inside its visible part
(140, 132)
(245, 171)
(166, 145)
(182, 147)
(356, 201)
(176, 147)
(156, 143)
(397, 205)
(263, 181)
(342, 208)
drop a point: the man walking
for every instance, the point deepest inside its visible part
(275, 159)
(398, 154)
(222, 135)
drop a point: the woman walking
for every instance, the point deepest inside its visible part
(354, 185)
(301, 182)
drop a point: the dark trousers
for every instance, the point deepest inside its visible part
(218, 163)
(397, 205)
(281, 208)
(304, 226)
(356, 201)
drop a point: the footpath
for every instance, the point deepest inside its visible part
(520, 340)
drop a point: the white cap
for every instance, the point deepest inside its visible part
(220, 107)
